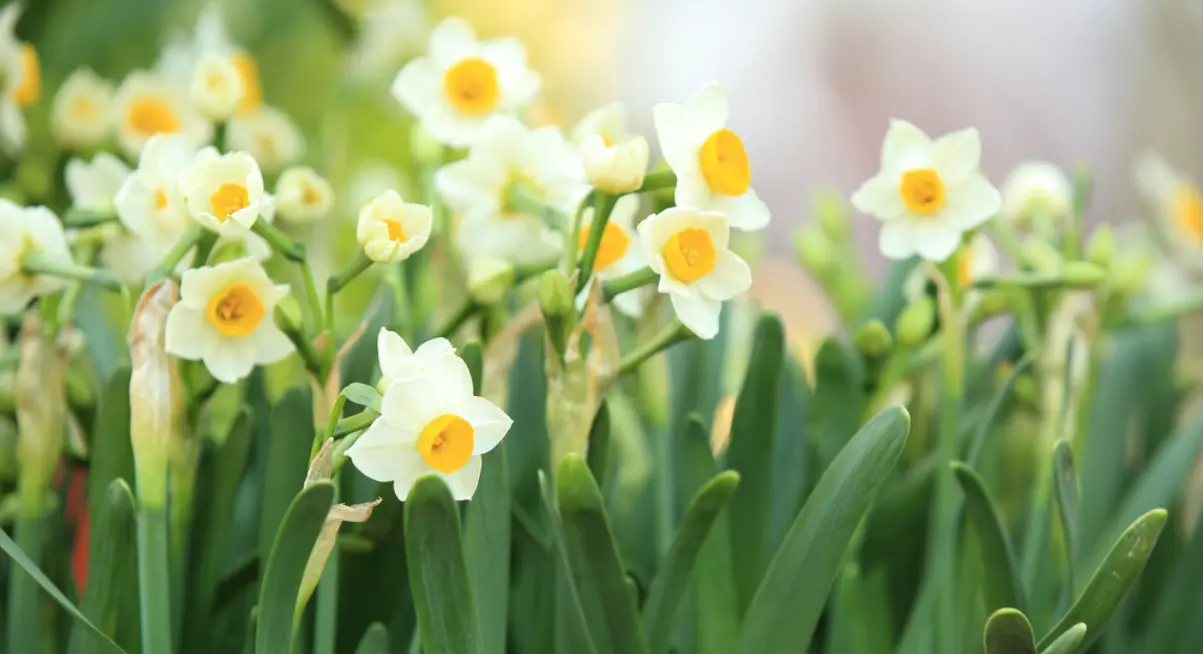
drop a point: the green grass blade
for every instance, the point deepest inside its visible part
(1112, 580)
(289, 440)
(1008, 632)
(1069, 641)
(438, 573)
(1065, 490)
(786, 608)
(750, 453)
(672, 579)
(375, 640)
(111, 568)
(1003, 588)
(286, 565)
(593, 554)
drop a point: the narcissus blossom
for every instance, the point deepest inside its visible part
(1037, 194)
(688, 248)
(216, 87)
(302, 195)
(94, 184)
(224, 192)
(22, 83)
(928, 193)
(224, 318)
(150, 205)
(390, 229)
(82, 114)
(616, 168)
(179, 58)
(618, 254)
(147, 104)
(398, 361)
(1176, 198)
(268, 135)
(712, 167)
(431, 424)
(25, 231)
(462, 82)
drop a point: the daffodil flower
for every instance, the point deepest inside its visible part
(390, 230)
(268, 135)
(302, 195)
(150, 205)
(81, 116)
(224, 192)
(179, 59)
(618, 254)
(1037, 191)
(147, 104)
(94, 184)
(398, 361)
(1178, 201)
(216, 88)
(25, 231)
(928, 193)
(608, 121)
(22, 79)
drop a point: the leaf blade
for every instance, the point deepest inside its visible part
(1003, 587)
(1008, 632)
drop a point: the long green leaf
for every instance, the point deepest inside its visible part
(1180, 600)
(593, 554)
(289, 441)
(112, 453)
(1008, 632)
(571, 628)
(750, 453)
(839, 396)
(1003, 588)
(111, 568)
(1069, 641)
(286, 565)
(786, 608)
(375, 640)
(1112, 580)
(1065, 489)
(671, 582)
(438, 573)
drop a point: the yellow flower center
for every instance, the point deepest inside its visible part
(1188, 212)
(309, 195)
(614, 244)
(150, 115)
(228, 199)
(84, 108)
(160, 199)
(236, 310)
(965, 268)
(471, 86)
(252, 91)
(446, 443)
(689, 254)
(922, 190)
(725, 163)
(29, 88)
(396, 231)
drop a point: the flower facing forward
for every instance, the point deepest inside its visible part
(147, 104)
(398, 361)
(712, 168)
(688, 249)
(224, 192)
(302, 195)
(81, 116)
(94, 184)
(1037, 194)
(216, 87)
(477, 188)
(431, 424)
(461, 82)
(928, 193)
(179, 58)
(617, 254)
(269, 136)
(224, 318)
(1177, 200)
(22, 83)
(390, 230)
(26, 232)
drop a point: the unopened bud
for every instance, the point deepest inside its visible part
(915, 322)
(833, 215)
(815, 250)
(490, 279)
(617, 168)
(873, 340)
(153, 391)
(1039, 255)
(1082, 274)
(555, 297)
(217, 87)
(41, 410)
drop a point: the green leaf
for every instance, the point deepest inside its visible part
(750, 453)
(593, 554)
(112, 454)
(438, 574)
(1008, 632)
(487, 539)
(363, 395)
(473, 356)
(978, 440)
(786, 608)
(859, 600)
(1112, 580)
(1065, 489)
(838, 398)
(1002, 585)
(111, 568)
(10, 548)
(672, 579)
(1069, 641)
(890, 298)
(571, 627)
(375, 640)
(1179, 601)
(286, 565)
(289, 440)
(599, 444)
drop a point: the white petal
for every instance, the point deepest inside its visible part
(489, 423)
(406, 404)
(674, 134)
(186, 335)
(447, 377)
(905, 147)
(957, 155)
(451, 40)
(708, 109)
(631, 303)
(271, 345)
(896, 240)
(879, 197)
(1156, 178)
(409, 467)
(698, 313)
(935, 241)
(747, 212)
(231, 360)
(463, 482)
(418, 87)
(434, 349)
(970, 203)
(392, 351)
(382, 452)
(731, 277)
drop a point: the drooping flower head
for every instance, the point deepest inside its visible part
(1037, 194)
(302, 195)
(928, 193)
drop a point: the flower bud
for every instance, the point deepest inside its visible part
(873, 340)
(815, 250)
(1040, 255)
(617, 168)
(1101, 247)
(217, 87)
(833, 215)
(555, 297)
(1082, 274)
(915, 322)
(153, 391)
(41, 410)
(489, 279)
(1037, 191)
(303, 196)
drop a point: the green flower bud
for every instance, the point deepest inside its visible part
(1082, 274)
(490, 279)
(915, 322)
(833, 215)
(555, 296)
(1040, 255)
(815, 250)
(1100, 249)
(873, 340)
(41, 410)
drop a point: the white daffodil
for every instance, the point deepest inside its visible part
(224, 192)
(1177, 200)
(147, 104)
(477, 189)
(269, 135)
(302, 195)
(1037, 194)
(390, 230)
(26, 231)
(178, 60)
(461, 82)
(431, 424)
(83, 109)
(224, 318)
(150, 204)
(216, 87)
(688, 249)
(93, 185)
(607, 121)
(617, 254)
(712, 168)
(22, 74)
(617, 168)
(928, 193)
(978, 259)
(391, 31)
(398, 361)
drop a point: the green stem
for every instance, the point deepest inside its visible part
(351, 424)
(316, 322)
(337, 282)
(331, 425)
(154, 580)
(660, 179)
(461, 315)
(24, 595)
(35, 263)
(305, 349)
(66, 308)
(279, 241)
(204, 247)
(673, 333)
(326, 612)
(603, 204)
(572, 252)
(629, 282)
(82, 219)
(191, 236)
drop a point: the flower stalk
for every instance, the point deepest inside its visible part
(673, 333)
(35, 263)
(638, 279)
(603, 204)
(192, 235)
